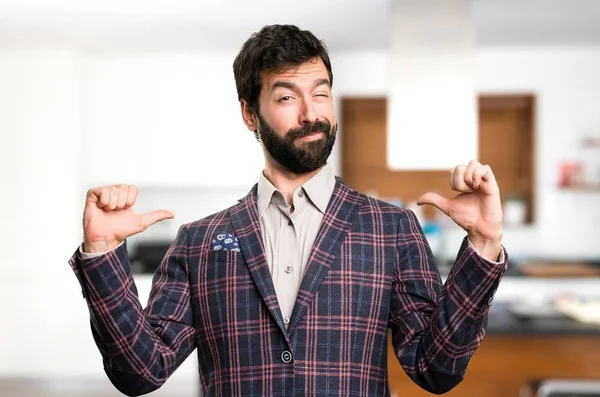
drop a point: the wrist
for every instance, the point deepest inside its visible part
(95, 247)
(490, 249)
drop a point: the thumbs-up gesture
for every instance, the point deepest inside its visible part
(477, 208)
(108, 218)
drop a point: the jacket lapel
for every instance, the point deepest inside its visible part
(337, 221)
(244, 217)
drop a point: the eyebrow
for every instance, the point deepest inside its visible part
(291, 86)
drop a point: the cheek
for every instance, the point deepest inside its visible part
(282, 120)
(327, 112)
(281, 123)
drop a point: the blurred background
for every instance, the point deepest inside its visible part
(142, 92)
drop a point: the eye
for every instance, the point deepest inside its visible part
(321, 96)
(285, 98)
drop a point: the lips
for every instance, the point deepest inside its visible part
(312, 136)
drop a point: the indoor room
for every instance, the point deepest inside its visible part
(143, 93)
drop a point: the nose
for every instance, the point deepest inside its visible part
(308, 114)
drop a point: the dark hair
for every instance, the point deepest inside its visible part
(272, 49)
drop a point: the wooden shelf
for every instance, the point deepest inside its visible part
(505, 363)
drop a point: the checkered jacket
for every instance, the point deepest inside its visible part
(371, 273)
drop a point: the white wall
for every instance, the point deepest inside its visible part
(45, 323)
(166, 120)
(41, 209)
(41, 153)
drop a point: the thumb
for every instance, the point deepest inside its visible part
(151, 218)
(436, 200)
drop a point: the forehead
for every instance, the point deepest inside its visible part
(305, 73)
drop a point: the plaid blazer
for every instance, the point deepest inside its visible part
(370, 271)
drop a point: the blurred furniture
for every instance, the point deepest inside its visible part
(146, 256)
(506, 143)
(514, 352)
(583, 310)
(559, 269)
(562, 388)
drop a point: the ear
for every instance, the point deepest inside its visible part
(248, 116)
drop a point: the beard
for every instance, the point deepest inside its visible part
(303, 157)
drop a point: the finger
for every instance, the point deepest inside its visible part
(478, 175)
(469, 173)
(155, 216)
(489, 180)
(451, 178)
(459, 180)
(488, 176)
(123, 192)
(132, 193)
(436, 200)
(114, 196)
(93, 195)
(103, 197)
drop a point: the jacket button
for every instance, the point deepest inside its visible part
(286, 357)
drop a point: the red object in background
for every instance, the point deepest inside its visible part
(570, 174)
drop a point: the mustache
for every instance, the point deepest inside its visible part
(309, 129)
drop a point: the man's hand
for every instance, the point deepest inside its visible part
(477, 209)
(108, 218)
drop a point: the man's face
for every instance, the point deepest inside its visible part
(296, 120)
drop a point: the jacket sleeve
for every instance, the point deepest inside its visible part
(140, 347)
(437, 328)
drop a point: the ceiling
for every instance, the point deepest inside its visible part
(343, 24)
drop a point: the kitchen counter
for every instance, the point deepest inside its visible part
(524, 342)
(540, 268)
(502, 321)
(516, 352)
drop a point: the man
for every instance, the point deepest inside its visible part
(291, 292)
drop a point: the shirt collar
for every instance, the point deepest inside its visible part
(319, 189)
(265, 193)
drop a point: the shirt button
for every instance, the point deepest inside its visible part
(286, 357)
(286, 320)
(300, 194)
(288, 269)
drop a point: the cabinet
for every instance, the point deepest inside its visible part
(169, 120)
(506, 125)
(503, 364)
